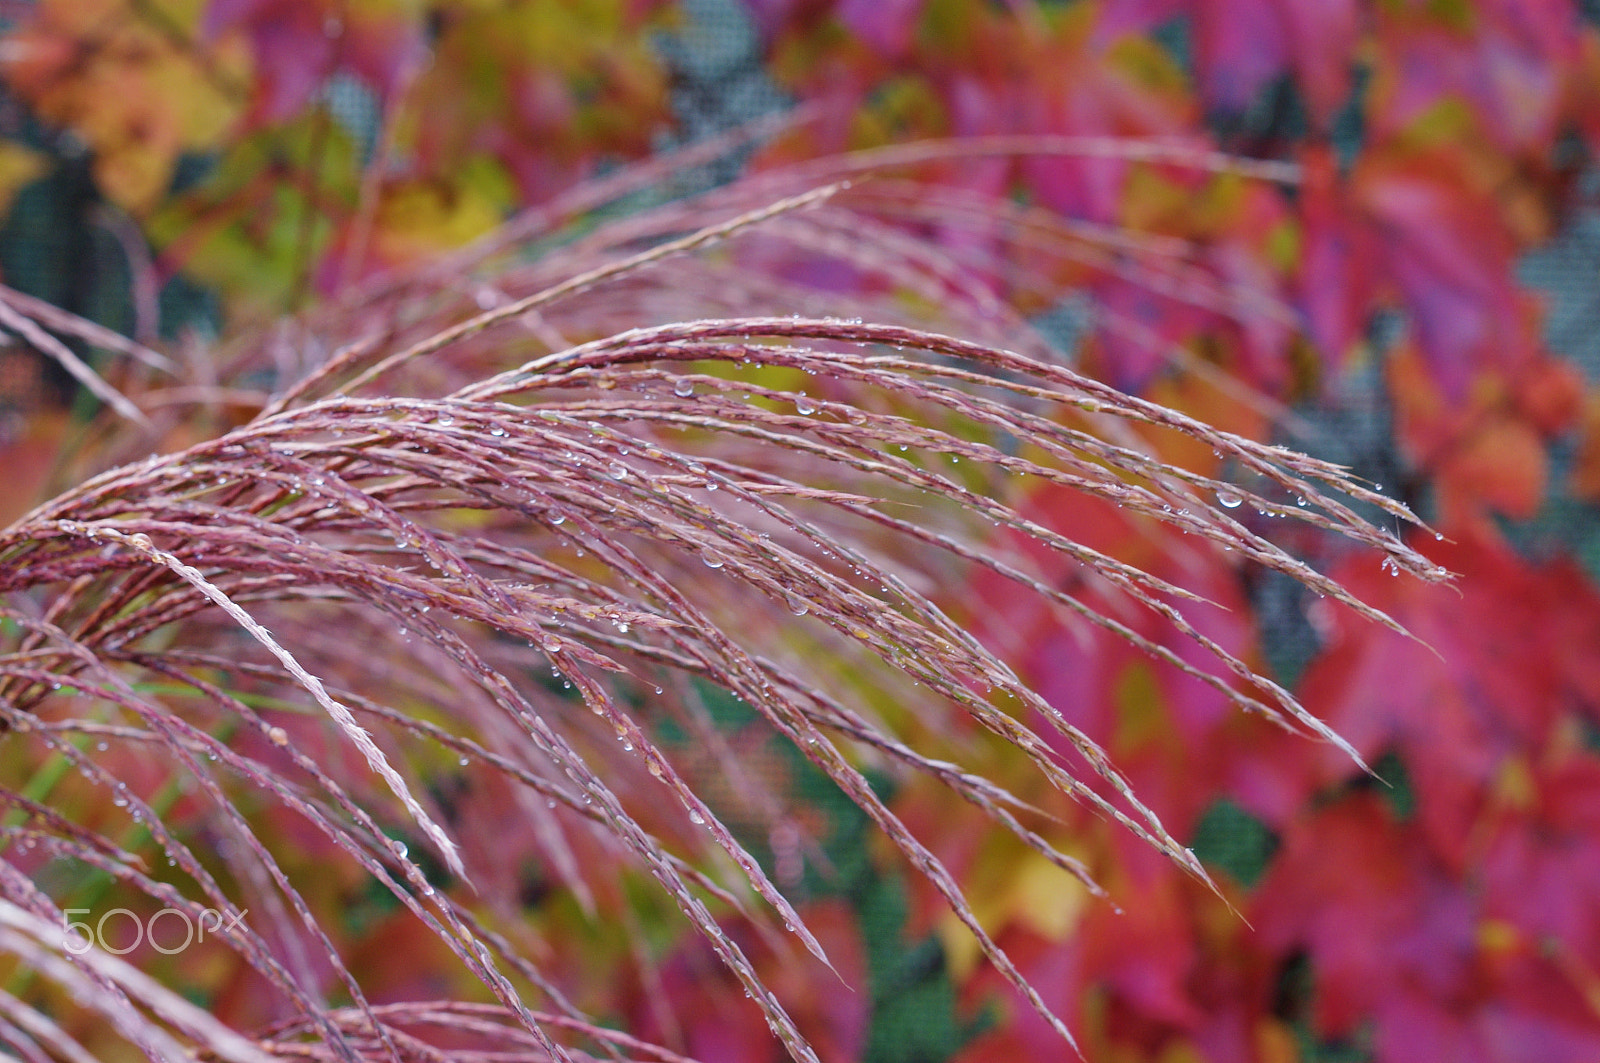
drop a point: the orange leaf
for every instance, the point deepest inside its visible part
(1585, 482)
(1502, 466)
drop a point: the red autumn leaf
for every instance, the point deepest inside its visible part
(1337, 281)
(1179, 741)
(1413, 225)
(1499, 665)
(1450, 259)
(1492, 963)
(1375, 913)
(1541, 871)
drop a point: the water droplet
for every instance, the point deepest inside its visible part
(711, 559)
(696, 818)
(399, 847)
(462, 762)
(804, 404)
(101, 746)
(1228, 500)
(444, 420)
(617, 470)
(683, 388)
(558, 518)
(497, 432)
(798, 605)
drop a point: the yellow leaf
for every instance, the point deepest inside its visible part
(419, 218)
(1275, 1043)
(1497, 935)
(18, 166)
(134, 175)
(1037, 895)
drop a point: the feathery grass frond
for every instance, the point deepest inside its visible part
(534, 552)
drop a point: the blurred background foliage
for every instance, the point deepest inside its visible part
(1424, 305)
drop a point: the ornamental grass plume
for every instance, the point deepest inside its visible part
(510, 522)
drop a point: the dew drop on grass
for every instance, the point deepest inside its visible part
(805, 405)
(696, 818)
(399, 847)
(683, 388)
(798, 605)
(712, 560)
(617, 470)
(1228, 500)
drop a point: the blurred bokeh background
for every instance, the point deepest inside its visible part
(1413, 290)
